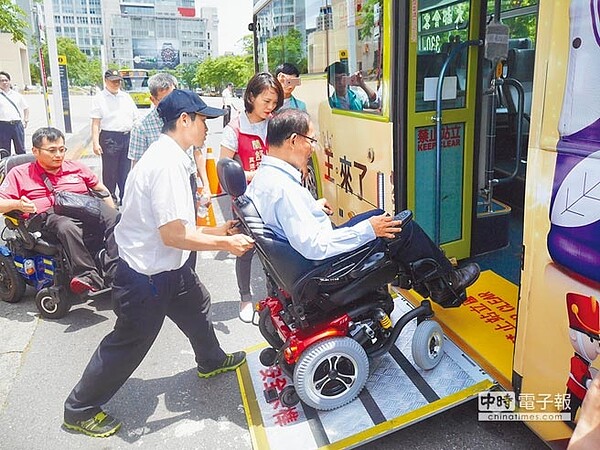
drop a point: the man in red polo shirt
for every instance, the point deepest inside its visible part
(24, 189)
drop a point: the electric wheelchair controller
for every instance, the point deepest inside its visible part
(404, 216)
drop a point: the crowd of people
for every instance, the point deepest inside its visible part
(148, 221)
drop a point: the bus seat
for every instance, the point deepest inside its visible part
(520, 64)
(519, 43)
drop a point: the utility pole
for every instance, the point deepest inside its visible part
(42, 40)
(59, 120)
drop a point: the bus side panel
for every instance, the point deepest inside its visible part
(357, 162)
(558, 315)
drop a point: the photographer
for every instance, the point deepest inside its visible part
(356, 98)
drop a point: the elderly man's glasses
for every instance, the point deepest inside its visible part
(54, 150)
(314, 142)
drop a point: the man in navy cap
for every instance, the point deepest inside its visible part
(156, 233)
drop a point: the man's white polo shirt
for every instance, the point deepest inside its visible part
(157, 192)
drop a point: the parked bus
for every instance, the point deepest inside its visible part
(135, 83)
(498, 161)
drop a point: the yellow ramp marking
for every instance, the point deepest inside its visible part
(485, 325)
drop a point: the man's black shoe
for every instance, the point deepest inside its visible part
(449, 290)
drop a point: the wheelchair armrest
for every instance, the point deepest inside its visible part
(99, 194)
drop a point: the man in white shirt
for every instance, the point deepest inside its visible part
(113, 115)
(227, 96)
(153, 281)
(14, 117)
(293, 214)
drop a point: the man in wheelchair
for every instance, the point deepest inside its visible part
(24, 189)
(290, 211)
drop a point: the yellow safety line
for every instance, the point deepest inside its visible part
(252, 409)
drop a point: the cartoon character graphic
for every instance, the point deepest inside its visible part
(584, 333)
(574, 237)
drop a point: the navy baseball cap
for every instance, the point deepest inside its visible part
(180, 101)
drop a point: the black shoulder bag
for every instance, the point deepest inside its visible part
(83, 207)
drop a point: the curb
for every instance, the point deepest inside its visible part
(77, 142)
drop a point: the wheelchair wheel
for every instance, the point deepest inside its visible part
(52, 303)
(428, 345)
(12, 284)
(331, 373)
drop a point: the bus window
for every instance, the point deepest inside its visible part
(441, 25)
(355, 56)
(282, 36)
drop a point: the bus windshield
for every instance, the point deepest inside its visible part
(134, 80)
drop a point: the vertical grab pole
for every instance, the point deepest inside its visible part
(438, 135)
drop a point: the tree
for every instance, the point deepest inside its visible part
(82, 70)
(12, 21)
(287, 48)
(186, 74)
(215, 73)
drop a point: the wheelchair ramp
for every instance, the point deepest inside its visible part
(397, 394)
(485, 326)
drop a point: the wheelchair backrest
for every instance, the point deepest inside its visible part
(12, 161)
(334, 281)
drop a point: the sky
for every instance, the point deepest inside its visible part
(234, 17)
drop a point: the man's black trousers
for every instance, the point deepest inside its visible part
(141, 304)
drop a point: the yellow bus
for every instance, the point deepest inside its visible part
(483, 118)
(135, 83)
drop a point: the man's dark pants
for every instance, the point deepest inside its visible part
(70, 233)
(115, 164)
(411, 244)
(14, 132)
(141, 304)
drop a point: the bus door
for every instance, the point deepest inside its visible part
(436, 29)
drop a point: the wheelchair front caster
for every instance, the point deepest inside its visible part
(268, 356)
(428, 344)
(289, 397)
(52, 303)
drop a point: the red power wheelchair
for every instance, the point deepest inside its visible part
(323, 320)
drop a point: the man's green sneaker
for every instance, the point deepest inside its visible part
(101, 425)
(231, 362)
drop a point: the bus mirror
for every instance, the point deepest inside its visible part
(251, 26)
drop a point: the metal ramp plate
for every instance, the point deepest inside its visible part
(397, 394)
(485, 325)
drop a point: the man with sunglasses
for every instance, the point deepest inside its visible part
(25, 190)
(293, 214)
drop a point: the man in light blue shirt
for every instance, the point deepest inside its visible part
(293, 214)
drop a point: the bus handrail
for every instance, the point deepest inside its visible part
(438, 134)
(520, 116)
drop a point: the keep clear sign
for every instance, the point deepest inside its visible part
(453, 143)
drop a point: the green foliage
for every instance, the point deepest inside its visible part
(248, 44)
(186, 74)
(520, 26)
(13, 21)
(287, 48)
(81, 70)
(366, 19)
(215, 73)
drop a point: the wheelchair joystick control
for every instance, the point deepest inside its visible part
(404, 216)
